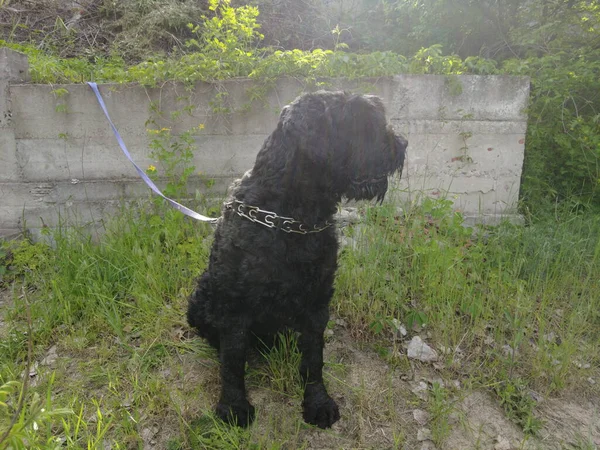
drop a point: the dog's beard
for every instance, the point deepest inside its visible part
(368, 189)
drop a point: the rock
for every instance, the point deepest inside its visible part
(148, 435)
(581, 365)
(502, 443)
(351, 239)
(340, 322)
(399, 327)
(50, 358)
(438, 380)
(421, 390)
(428, 445)
(508, 351)
(489, 341)
(417, 349)
(423, 434)
(536, 396)
(444, 350)
(421, 417)
(348, 216)
(33, 370)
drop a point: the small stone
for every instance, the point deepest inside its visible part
(423, 434)
(340, 322)
(421, 417)
(502, 444)
(438, 381)
(428, 445)
(50, 358)
(455, 384)
(32, 371)
(417, 349)
(399, 327)
(536, 396)
(348, 215)
(591, 381)
(328, 332)
(508, 351)
(581, 365)
(421, 390)
(489, 341)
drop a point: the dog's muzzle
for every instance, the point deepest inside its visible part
(368, 189)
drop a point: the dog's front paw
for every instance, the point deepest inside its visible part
(241, 415)
(320, 410)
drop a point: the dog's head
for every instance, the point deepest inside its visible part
(343, 142)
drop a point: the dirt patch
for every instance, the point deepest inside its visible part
(571, 422)
(479, 422)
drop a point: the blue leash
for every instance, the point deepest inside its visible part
(149, 182)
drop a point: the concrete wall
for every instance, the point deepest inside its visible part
(58, 154)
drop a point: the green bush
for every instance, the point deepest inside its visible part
(562, 159)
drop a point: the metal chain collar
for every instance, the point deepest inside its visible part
(271, 220)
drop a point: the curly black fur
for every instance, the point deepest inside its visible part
(327, 145)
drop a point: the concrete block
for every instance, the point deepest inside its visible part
(499, 98)
(9, 169)
(14, 66)
(47, 112)
(91, 159)
(58, 151)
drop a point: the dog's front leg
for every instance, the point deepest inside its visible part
(319, 407)
(233, 407)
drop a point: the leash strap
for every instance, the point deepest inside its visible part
(147, 180)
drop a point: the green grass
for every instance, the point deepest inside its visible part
(520, 303)
(518, 307)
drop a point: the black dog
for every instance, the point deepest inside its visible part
(274, 255)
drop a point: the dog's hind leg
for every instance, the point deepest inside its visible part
(197, 314)
(233, 406)
(319, 407)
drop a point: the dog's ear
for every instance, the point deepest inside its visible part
(308, 127)
(363, 127)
